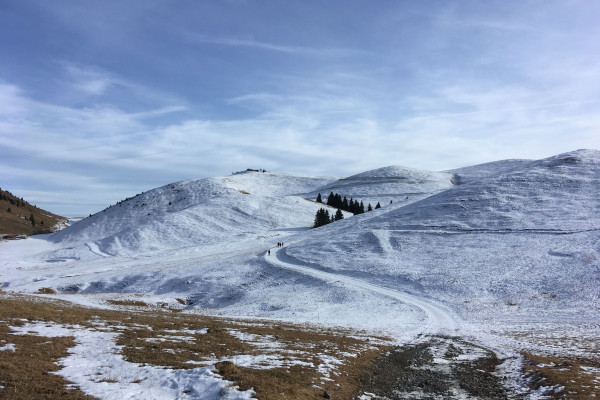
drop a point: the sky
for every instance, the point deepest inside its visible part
(101, 100)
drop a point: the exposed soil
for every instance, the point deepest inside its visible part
(435, 369)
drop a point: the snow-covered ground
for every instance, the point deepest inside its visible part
(493, 252)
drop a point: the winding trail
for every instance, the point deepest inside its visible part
(439, 319)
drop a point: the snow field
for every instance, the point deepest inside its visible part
(96, 366)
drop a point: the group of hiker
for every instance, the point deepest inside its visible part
(279, 244)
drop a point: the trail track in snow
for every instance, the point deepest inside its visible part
(439, 320)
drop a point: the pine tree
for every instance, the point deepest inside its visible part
(331, 199)
(339, 215)
(345, 204)
(377, 205)
(321, 218)
(361, 210)
(318, 220)
(369, 208)
(319, 199)
(32, 219)
(8, 209)
(391, 201)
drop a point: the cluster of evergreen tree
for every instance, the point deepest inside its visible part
(335, 200)
(323, 218)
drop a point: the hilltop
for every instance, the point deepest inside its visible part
(19, 217)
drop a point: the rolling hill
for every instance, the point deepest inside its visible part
(16, 217)
(458, 252)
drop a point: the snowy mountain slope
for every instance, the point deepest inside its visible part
(515, 241)
(522, 244)
(480, 171)
(558, 193)
(399, 184)
(197, 212)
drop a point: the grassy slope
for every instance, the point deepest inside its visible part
(17, 221)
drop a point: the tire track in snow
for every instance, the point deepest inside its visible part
(439, 320)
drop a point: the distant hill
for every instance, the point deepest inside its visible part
(16, 217)
(199, 212)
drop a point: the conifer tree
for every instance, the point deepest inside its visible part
(377, 205)
(331, 199)
(345, 204)
(339, 215)
(318, 218)
(369, 208)
(32, 219)
(319, 200)
(8, 209)
(321, 218)
(361, 209)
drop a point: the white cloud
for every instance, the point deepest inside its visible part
(88, 79)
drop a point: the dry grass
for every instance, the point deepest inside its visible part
(26, 373)
(46, 290)
(11, 223)
(164, 338)
(571, 374)
(128, 303)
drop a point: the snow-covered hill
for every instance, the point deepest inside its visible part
(558, 194)
(514, 241)
(476, 172)
(519, 244)
(198, 212)
(394, 183)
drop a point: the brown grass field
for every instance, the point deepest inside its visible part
(24, 373)
(149, 336)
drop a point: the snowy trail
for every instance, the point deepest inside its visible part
(439, 320)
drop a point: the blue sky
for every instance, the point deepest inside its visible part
(100, 100)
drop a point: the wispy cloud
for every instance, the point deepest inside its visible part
(273, 47)
(141, 96)
(90, 80)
